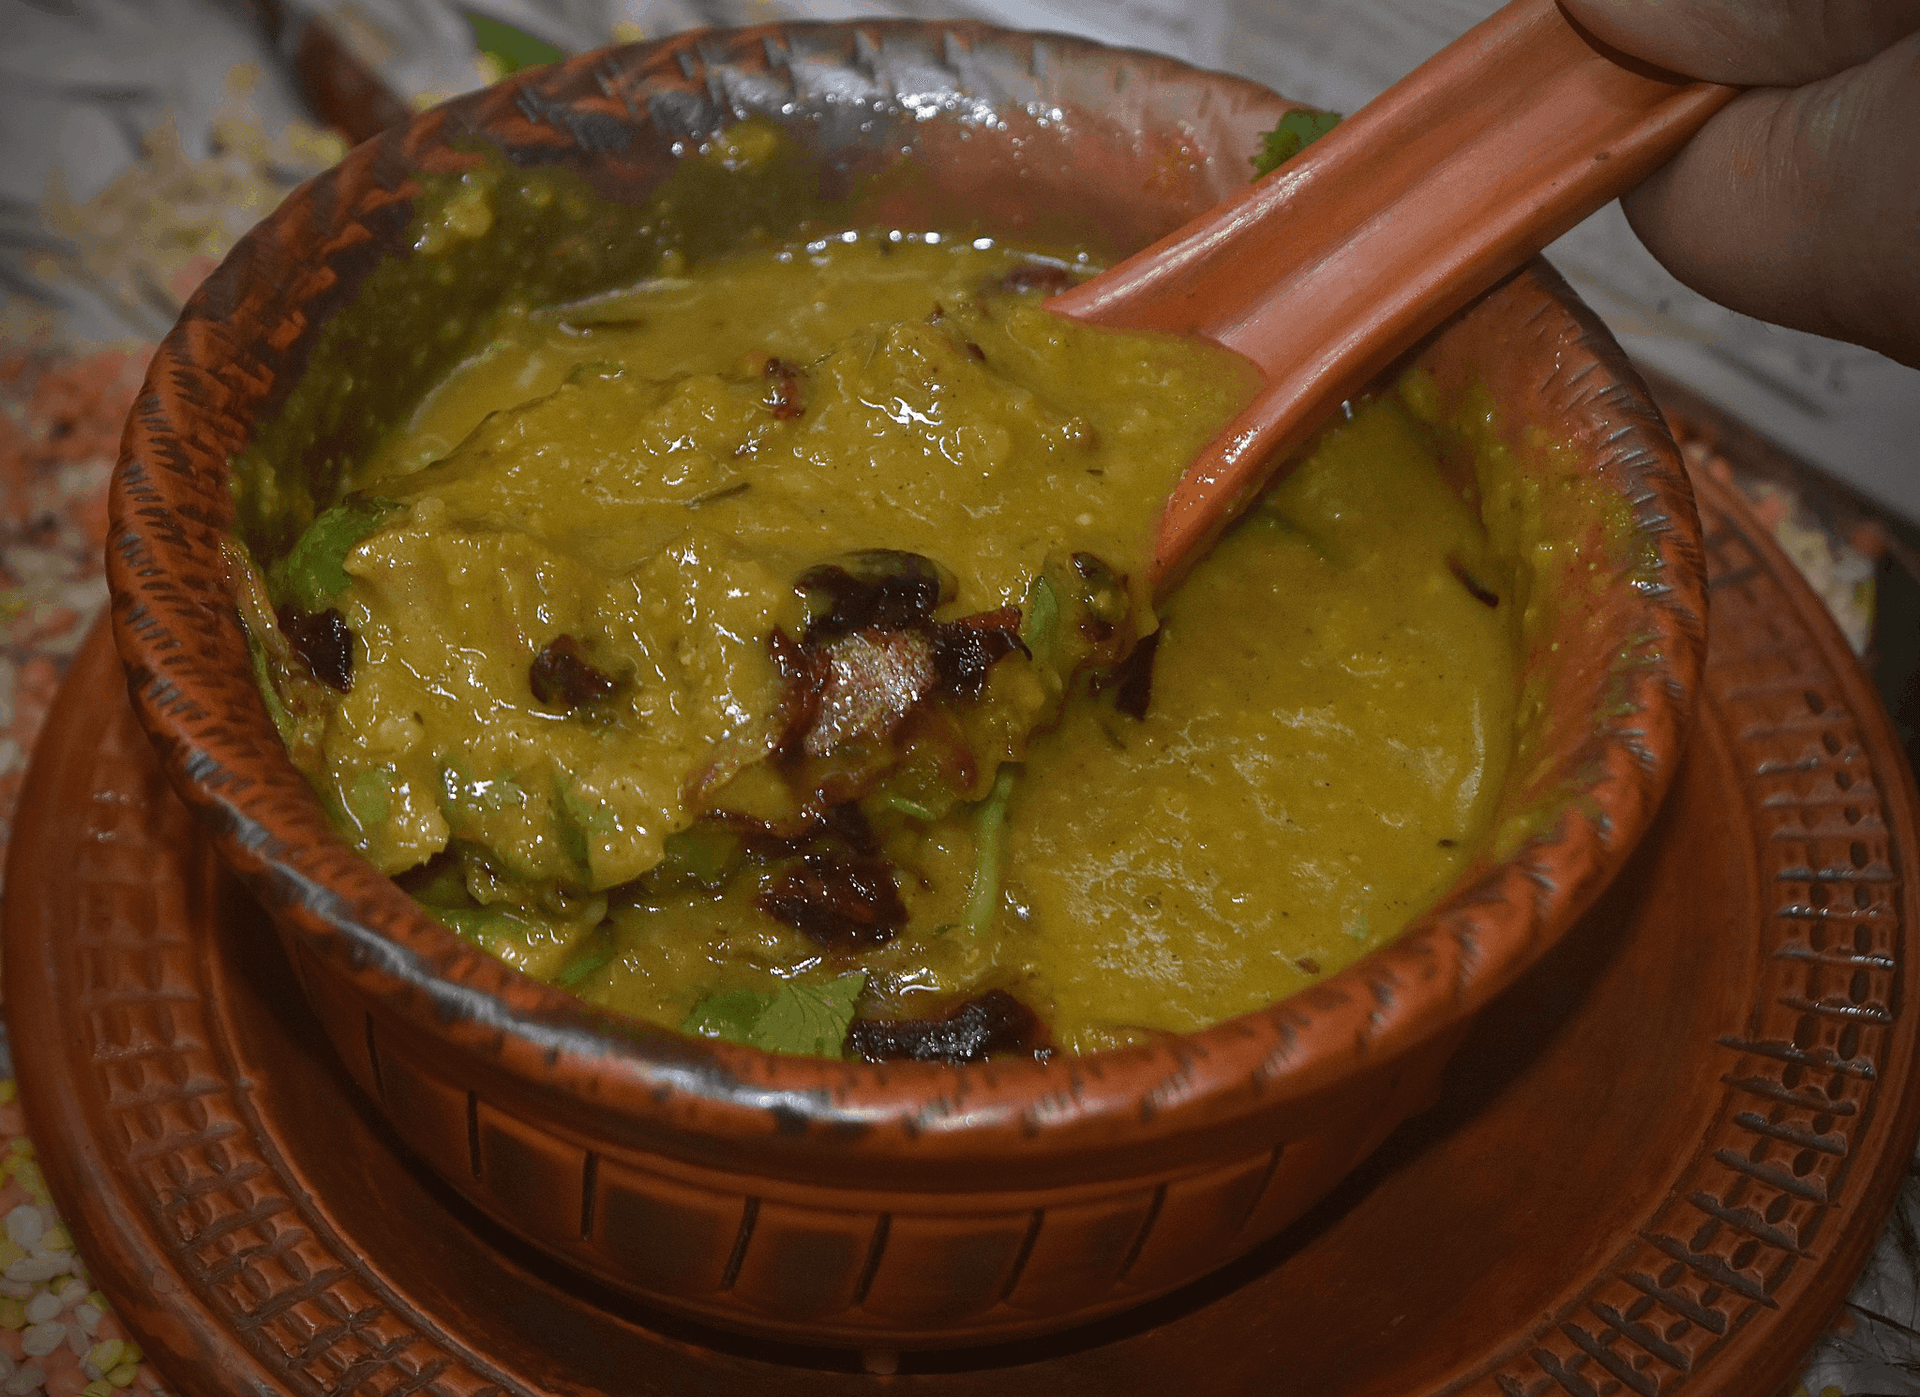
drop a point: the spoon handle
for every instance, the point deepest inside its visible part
(1328, 269)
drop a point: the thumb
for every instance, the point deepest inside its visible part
(1749, 43)
(1802, 206)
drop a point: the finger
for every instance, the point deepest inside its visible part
(1771, 43)
(1802, 206)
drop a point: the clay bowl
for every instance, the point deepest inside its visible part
(840, 1203)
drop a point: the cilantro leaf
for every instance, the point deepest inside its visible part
(731, 1015)
(510, 48)
(313, 573)
(576, 971)
(989, 830)
(485, 927)
(801, 1018)
(282, 720)
(810, 1019)
(1043, 617)
(1296, 131)
(576, 820)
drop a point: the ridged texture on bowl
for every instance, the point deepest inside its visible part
(905, 1204)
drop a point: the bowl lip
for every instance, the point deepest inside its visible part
(663, 1091)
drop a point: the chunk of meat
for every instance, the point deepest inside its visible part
(874, 678)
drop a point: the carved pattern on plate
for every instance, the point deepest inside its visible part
(1801, 1081)
(214, 1195)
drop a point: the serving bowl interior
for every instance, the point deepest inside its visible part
(841, 1202)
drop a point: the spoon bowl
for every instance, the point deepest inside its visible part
(1334, 265)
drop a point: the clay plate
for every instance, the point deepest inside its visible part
(1659, 1162)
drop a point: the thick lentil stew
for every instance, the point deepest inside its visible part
(762, 650)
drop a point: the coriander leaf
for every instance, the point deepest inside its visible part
(312, 575)
(370, 797)
(589, 961)
(703, 854)
(806, 1019)
(440, 883)
(731, 1015)
(809, 1019)
(908, 806)
(1296, 131)
(512, 49)
(577, 821)
(989, 829)
(282, 720)
(485, 927)
(1043, 618)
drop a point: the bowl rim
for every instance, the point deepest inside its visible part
(705, 1099)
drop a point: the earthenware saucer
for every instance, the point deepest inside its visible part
(1659, 1162)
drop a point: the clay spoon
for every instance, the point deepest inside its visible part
(1327, 270)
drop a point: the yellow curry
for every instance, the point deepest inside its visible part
(762, 651)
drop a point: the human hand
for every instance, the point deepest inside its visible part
(1799, 202)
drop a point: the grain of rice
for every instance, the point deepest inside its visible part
(42, 1339)
(26, 1225)
(41, 1268)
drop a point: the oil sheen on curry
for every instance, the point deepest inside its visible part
(762, 652)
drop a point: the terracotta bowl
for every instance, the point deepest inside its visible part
(870, 1206)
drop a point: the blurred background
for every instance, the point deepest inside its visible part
(87, 87)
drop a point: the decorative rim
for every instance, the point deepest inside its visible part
(182, 646)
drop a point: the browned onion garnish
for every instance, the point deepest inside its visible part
(839, 901)
(1477, 589)
(880, 589)
(995, 1022)
(1101, 579)
(1132, 679)
(965, 649)
(323, 641)
(560, 674)
(784, 394)
(803, 680)
(871, 652)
